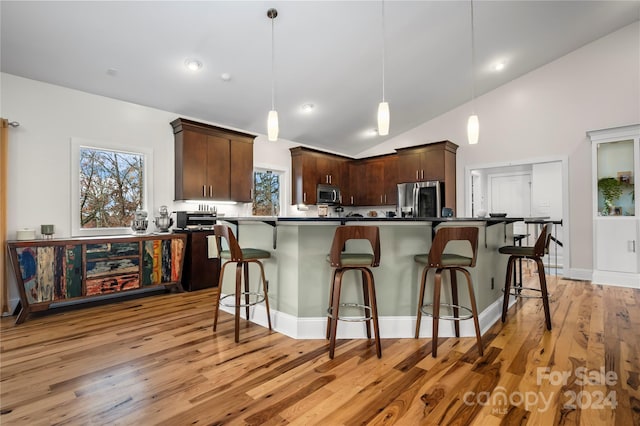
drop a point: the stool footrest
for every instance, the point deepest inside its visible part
(366, 317)
(517, 292)
(448, 317)
(259, 297)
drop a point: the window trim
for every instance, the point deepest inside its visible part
(147, 178)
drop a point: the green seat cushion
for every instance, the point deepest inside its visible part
(355, 259)
(448, 259)
(247, 254)
(517, 251)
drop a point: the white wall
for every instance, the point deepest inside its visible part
(546, 192)
(546, 113)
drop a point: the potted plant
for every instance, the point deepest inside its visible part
(611, 190)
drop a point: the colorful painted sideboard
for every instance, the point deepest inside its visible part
(62, 270)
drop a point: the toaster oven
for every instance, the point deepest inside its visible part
(195, 220)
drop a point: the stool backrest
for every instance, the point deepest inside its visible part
(542, 243)
(345, 233)
(223, 231)
(446, 234)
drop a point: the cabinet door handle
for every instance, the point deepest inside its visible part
(304, 197)
(204, 190)
(381, 199)
(422, 174)
(417, 174)
(352, 200)
(330, 179)
(385, 198)
(210, 191)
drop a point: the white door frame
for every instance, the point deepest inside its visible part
(564, 160)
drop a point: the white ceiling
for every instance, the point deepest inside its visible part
(327, 53)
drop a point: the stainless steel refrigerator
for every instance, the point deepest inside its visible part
(420, 199)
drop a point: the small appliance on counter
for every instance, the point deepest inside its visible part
(163, 222)
(323, 210)
(447, 212)
(195, 220)
(140, 223)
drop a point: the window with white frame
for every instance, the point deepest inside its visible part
(109, 184)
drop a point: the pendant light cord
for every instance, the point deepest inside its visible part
(383, 51)
(473, 62)
(273, 68)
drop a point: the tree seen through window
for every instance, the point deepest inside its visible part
(111, 187)
(266, 198)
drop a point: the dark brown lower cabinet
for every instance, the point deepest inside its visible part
(200, 271)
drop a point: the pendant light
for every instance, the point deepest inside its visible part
(473, 125)
(272, 119)
(383, 108)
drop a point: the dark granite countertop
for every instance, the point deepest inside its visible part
(304, 219)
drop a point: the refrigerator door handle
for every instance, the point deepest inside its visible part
(416, 193)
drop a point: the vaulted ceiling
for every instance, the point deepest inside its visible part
(326, 53)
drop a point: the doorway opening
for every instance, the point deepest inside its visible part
(534, 189)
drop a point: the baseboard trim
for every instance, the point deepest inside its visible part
(580, 274)
(619, 279)
(390, 327)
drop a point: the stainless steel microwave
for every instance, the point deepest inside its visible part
(328, 194)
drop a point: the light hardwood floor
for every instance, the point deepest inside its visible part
(155, 360)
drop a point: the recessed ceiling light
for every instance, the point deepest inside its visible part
(499, 66)
(112, 72)
(193, 64)
(307, 107)
(370, 133)
(225, 76)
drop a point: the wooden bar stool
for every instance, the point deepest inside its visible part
(452, 263)
(535, 253)
(346, 261)
(242, 257)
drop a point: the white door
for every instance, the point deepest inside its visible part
(511, 194)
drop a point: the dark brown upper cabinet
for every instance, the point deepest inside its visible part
(310, 168)
(434, 161)
(212, 163)
(373, 181)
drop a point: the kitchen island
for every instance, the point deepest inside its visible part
(299, 274)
